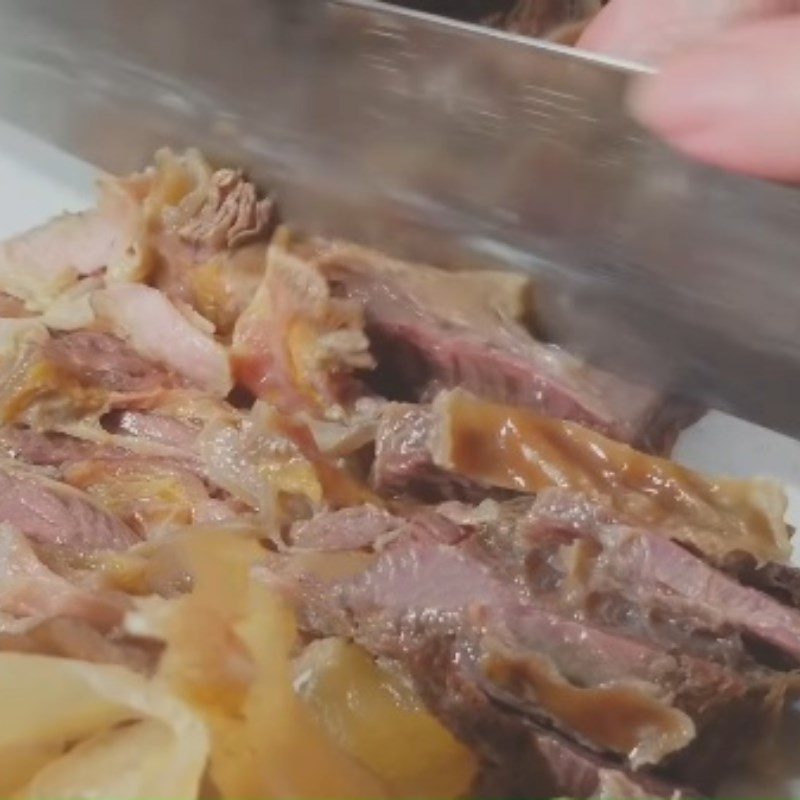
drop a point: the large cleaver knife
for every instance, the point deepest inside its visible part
(444, 142)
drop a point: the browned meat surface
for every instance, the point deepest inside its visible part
(778, 580)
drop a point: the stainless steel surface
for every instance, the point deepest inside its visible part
(449, 143)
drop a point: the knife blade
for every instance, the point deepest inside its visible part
(440, 141)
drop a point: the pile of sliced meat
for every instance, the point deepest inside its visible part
(496, 520)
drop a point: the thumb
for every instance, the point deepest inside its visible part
(734, 102)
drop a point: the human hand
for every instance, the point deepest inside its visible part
(728, 89)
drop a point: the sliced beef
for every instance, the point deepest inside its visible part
(158, 437)
(149, 494)
(404, 463)
(560, 559)
(520, 758)
(153, 427)
(461, 444)
(568, 769)
(464, 621)
(781, 581)
(50, 449)
(348, 529)
(106, 361)
(665, 568)
(53, 514)
(432, 329)
(652, 570)
(417, 575)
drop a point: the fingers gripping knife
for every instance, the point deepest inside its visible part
(438, 140)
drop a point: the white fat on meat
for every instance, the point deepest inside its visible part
(39, 265)
(157, 330)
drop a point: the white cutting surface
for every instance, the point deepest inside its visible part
(38, 181)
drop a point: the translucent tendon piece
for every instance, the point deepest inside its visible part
(146, 494)
(223, 287)
(78, 730)
(251, 458)
(375, 716)
(624, 718)
(297, 345)
(124, 763)
(518, 449)
(340, 488)
(228, 655)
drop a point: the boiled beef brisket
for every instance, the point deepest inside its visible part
(498, 656)
(655, 574)
(432, 329)
(404, 462)
(105, 361)
(520, 450)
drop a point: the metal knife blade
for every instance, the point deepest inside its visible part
(440, 141)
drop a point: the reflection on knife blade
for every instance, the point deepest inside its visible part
(456, 144)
